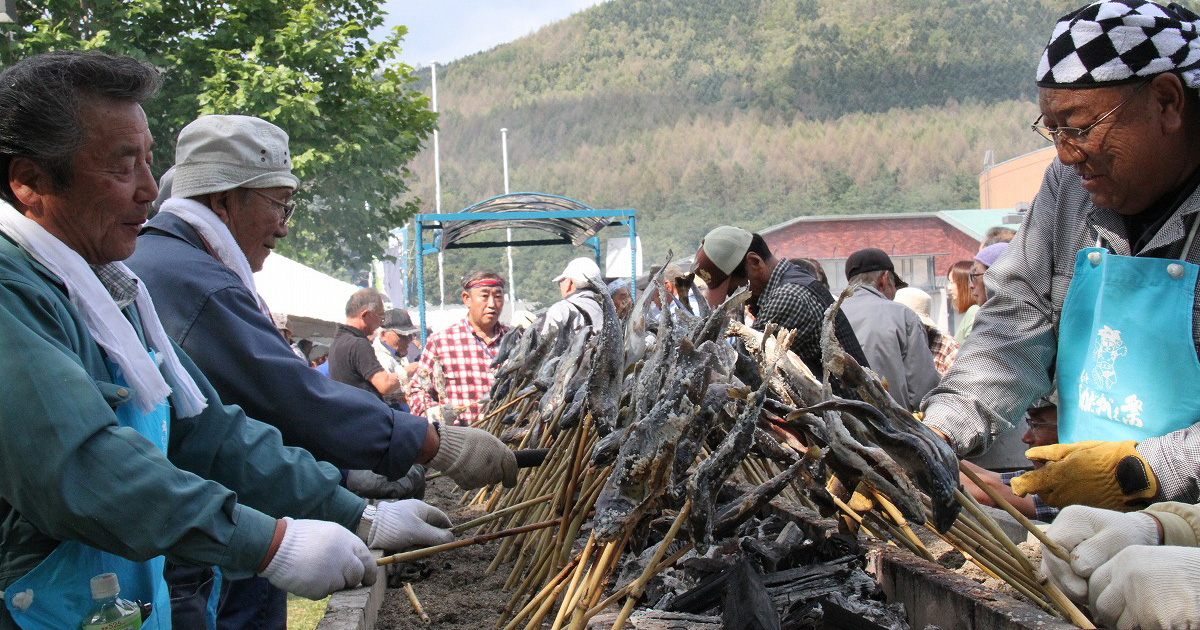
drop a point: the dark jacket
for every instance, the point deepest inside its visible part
(794, 299)
(206, 309)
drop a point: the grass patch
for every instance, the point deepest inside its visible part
(304, 614)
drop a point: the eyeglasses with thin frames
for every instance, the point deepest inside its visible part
(289, 207)
(1074, 135)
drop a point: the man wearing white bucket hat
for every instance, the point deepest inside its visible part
(231, 199)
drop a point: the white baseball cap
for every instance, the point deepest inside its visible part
(580, 271)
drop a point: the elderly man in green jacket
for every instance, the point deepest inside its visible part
(114, 449)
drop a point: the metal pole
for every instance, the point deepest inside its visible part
(633, 273)
(512, 280)
(420, 249)
(437, 196)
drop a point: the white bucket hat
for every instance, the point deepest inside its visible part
(219, 153)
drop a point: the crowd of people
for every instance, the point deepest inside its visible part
(163, 424)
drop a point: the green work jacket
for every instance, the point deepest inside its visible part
(68, 471)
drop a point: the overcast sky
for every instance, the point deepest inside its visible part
(445, 30)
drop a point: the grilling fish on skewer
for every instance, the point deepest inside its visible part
(571, 363)
(712, 472)
(646, 458)
(608, 362)
(929, 460)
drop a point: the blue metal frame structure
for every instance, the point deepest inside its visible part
(528, 219)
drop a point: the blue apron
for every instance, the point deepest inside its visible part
(56, 594)
(1127, 366)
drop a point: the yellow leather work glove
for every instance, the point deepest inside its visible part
(1108, 475)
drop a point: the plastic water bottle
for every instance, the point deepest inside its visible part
(111, 612)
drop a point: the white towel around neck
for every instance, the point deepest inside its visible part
(218, 237)
(104, 320)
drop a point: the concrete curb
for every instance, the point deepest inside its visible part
(935, 596)
(356, 609)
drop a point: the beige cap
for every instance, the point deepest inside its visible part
(219, 153)
(721, 251)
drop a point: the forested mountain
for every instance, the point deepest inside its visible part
(701, 112)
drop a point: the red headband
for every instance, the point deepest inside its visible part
(484, 282)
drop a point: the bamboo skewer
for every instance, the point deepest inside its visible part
(491, 516)
(1073, 614)
(417, 554)
(988, 566)
(635, 592)
(416, 603)
(903, 525)
(1000, 502)
(622, 592)
(496, 412)
(548, 593)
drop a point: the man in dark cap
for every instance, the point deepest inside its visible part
(1098, 288)
(781, 293)
(891, 335)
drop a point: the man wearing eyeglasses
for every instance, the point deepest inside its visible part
(230, 201)
(1098, 289)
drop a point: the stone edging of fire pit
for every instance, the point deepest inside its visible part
(358, 608)
(933, 595)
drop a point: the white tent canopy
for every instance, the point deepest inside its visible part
(297, 290)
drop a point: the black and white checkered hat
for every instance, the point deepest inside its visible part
(1119, 41)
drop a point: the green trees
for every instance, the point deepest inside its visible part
(305, 65)
(752, 112)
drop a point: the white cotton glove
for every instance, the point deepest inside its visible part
(1148, 587)
(317, 558)
(1092, 536)
(474, 458)
(408, 523)
(434, 414)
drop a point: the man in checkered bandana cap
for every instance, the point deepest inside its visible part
(1115, 223)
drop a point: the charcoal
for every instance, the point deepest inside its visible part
(861, 614)
(804, 616)
(746, 605)
(764, 554)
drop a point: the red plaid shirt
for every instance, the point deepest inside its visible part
(466, 359)
(944, 349)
